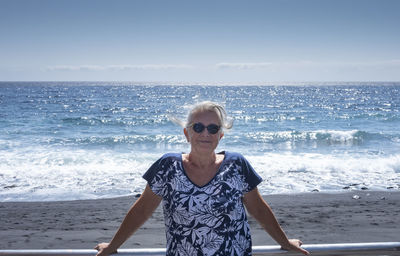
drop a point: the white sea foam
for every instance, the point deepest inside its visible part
(295, 173)
(44, 174)
(331, 135)
(70, 174)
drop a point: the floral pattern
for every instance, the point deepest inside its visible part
(207, 220)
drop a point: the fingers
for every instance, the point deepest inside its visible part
(100, 248)
(296, 242)
(296, 246)
(104, 249)
(303, 251)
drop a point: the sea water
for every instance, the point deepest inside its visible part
(87, 140)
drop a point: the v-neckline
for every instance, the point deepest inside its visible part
(215, 175)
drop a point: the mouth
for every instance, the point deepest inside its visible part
(205, 141)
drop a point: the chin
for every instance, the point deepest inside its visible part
(209, 148)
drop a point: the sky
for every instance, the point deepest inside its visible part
(218, 41)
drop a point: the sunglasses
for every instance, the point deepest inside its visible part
(211, 128)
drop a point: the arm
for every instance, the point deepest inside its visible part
(136, 216)
(261, 211)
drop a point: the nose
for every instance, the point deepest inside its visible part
(205, 132)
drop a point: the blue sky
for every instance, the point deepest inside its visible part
(200, 41)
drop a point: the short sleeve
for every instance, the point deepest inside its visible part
(251, 177)
(156, 175)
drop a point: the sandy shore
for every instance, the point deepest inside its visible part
(312, 217)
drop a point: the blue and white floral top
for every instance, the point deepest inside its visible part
(207, 220)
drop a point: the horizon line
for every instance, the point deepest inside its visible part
(215, 83)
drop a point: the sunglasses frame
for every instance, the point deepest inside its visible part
(210, 128)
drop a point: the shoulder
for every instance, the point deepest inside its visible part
(171, 156)
(239, 160)
(168, 159)
(233, 156)
(162, 165)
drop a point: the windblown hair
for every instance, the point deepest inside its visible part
(206, 106)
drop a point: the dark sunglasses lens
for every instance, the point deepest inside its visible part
(213, 128)
(198, 127)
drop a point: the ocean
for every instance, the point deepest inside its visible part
(89, 140)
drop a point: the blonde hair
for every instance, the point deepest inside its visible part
(206, 106)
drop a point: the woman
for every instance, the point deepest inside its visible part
(204, 195)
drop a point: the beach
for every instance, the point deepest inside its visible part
(315, 218)
(69, 151)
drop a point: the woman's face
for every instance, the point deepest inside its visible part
(203, 142)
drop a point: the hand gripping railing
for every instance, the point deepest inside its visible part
(353, 249)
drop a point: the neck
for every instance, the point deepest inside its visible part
(204, 159)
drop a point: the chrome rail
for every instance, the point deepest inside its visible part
(353, 249)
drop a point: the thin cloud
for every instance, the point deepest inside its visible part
(228, 65)
(308, 64)
(116, 67)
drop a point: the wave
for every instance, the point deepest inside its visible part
(321, 137)
(77, 122)
(119, 140)
(288, 173)
(43, 173)
(235, 140)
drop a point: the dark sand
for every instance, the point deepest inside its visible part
(313, 217)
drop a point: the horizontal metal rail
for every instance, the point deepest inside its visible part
(353, 249)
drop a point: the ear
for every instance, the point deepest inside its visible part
(221, 135)
(186, 132)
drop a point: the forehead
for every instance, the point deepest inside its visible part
(206, 117)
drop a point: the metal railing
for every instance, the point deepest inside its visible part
(353, 249)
